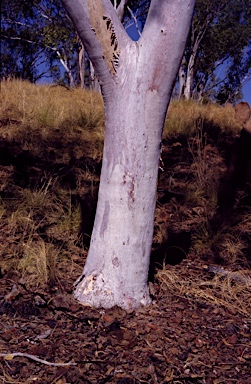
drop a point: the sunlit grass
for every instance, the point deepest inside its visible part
(184, 116)
(50, 106)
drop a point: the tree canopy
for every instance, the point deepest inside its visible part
(36, 37)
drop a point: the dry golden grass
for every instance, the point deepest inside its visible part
(36, 222)
(183, 117)
(48, 114)
(47, 127)
(231, 290)
(58, 107)
(50, 106)
(204, 127)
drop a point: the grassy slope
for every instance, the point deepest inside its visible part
(51, 143)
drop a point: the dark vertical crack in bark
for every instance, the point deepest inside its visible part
(105, 219)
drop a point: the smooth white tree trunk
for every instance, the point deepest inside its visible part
(182, 78)
(189, 78)
(137, 80)
(118, 259)
(190, 73)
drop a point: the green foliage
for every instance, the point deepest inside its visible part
(35, 37)
(18, 53)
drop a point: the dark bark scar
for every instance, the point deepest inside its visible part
(105, 219)
(129, 179)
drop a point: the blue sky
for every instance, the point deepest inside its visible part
(246, 90)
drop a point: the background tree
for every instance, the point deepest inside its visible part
(220, 40)
(136, 80)
(40, 40)
(20, 56)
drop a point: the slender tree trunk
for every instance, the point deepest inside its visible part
(120, 9)
(189, 78)
(196, 39)
(81, 63)
(94, 80)
(182, 78)
(67, 68)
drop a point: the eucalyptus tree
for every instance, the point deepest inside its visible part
(136, 80)
(20, 57)
(38, 40)
(218, 52)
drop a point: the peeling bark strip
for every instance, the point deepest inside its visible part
(105, 32)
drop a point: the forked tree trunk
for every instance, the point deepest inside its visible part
(137, 80)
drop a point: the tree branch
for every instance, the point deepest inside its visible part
(163, 34)
(135, 20)
(120, 10)
(9, 21)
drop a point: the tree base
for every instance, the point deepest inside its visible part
(93, 291)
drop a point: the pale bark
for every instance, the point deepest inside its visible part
(94, 80)
(64, 63)
(182, 78)
(136, 85)
(190, 73)
(120, 9)
(189, 76)
(81, 63)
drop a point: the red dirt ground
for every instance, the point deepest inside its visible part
(178, 339)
